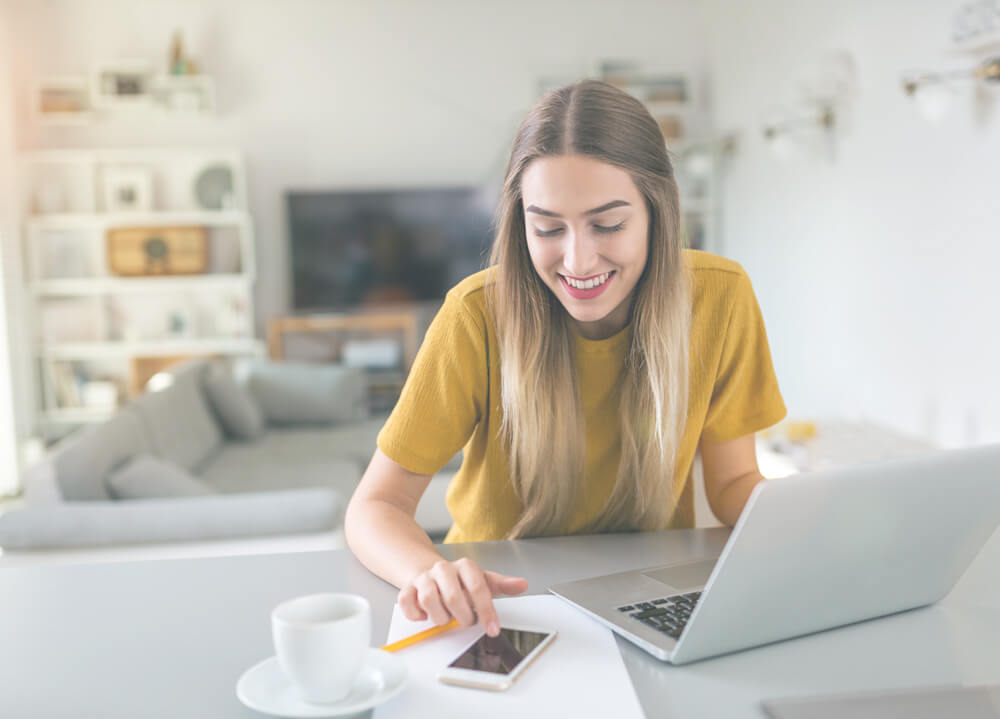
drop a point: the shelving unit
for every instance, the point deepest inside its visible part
(97, 326)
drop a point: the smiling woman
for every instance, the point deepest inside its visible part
(580, 373)
(590, 259)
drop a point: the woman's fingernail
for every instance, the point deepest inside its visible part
(493, 629)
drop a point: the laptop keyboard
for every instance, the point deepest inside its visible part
(668, 615)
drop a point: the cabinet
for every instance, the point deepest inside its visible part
(383, 342)
(134, 257)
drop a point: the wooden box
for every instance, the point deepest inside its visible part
(137, 251)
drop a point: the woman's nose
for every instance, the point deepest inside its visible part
(579, 255)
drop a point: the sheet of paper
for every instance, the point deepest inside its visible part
(580, 675)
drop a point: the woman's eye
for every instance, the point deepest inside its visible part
(603, 229)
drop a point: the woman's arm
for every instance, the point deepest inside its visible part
(384, 536)
(379, 524)
(731, 473)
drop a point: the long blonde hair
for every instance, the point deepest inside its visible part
(542, 426)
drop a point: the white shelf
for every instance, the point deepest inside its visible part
(669, 107)
(84, 117)
(107, 285)
(151, 348)
(100, 220)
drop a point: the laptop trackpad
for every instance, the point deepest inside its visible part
(689, 575)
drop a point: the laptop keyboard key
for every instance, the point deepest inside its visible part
(649, 613)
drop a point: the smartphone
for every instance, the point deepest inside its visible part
(496, 662)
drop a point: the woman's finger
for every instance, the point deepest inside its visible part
(453, 593)
(407, 600)
(478, 590)
(505, 584)
(430, 600)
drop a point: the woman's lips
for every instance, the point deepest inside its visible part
(590, 294)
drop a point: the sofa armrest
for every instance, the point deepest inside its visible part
(40, 485)
(80, 524)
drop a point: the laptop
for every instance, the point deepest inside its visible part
(811, 552)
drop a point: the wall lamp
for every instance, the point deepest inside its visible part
(933, 92)
(789, 136)
(825, 120)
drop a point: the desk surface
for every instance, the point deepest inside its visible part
(170, 638)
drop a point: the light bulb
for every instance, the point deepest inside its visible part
(784, 146)
(934, 99)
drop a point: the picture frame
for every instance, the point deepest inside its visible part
(123, 84)
(127, 189)
(147, 251)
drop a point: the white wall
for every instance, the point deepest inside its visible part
(876, 271)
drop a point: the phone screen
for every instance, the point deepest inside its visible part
(499, 654)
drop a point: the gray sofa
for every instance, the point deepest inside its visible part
(275, 451)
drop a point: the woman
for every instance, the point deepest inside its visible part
(581, 372)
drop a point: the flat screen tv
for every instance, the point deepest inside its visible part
(359, 249)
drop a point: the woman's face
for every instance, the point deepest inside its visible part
(587, 228)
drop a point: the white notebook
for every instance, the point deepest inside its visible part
(581, 675)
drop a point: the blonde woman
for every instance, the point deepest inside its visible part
(580, 372)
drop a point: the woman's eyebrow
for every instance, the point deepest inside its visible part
(595, 211)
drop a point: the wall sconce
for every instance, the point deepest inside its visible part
(825, 120)
(934, 92)
(811, 126)
(788, 136)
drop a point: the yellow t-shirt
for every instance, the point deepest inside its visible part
(451, 399)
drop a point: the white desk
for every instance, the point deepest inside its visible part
(170, 638)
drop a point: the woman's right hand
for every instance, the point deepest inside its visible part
(459, 590)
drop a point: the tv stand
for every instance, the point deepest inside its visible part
(399, 322)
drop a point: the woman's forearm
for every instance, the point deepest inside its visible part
(729, 504)
(388, 541)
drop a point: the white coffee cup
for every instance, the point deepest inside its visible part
(321, 641)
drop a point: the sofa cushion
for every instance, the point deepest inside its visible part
(237, 412)
(148, 477)
(275, 464)
(83, 460)
(290, 393)
(178, 420)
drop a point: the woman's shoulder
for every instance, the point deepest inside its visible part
(714, 279)
(468, 297)
(703, 264)
(472, 288)
(718, 284)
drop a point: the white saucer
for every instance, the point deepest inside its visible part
(266, 688)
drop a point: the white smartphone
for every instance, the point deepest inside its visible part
(496, 662)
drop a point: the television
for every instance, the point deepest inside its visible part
(359, 249)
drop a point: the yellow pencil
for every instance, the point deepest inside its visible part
(419, 637)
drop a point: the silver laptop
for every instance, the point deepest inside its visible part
(811, 552)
